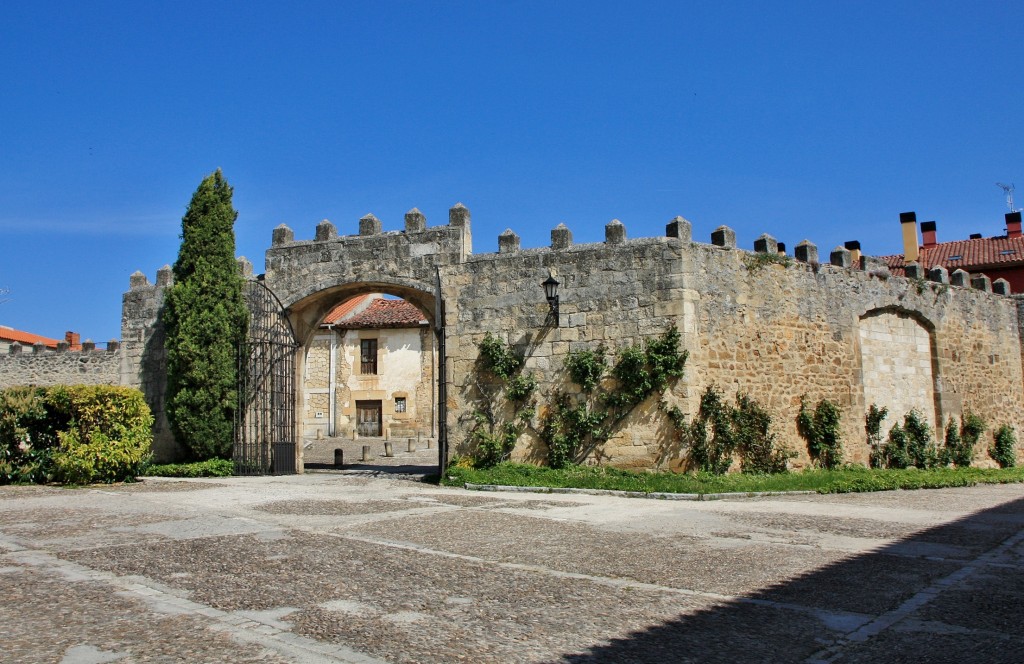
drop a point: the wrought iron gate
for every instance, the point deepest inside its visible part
(265, 417)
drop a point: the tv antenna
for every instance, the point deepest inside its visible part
(1008, 190)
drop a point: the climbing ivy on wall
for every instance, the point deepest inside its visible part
(821, 429)
(497, 423)
(576, 424)
(721, 431)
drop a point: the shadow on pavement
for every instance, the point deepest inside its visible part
(952, 593)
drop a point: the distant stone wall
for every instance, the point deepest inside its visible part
(44, 367)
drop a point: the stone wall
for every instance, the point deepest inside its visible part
(777, 329)
(44, 367)
(143, 356)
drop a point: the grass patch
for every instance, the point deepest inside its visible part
(842, 480)
(210, 468)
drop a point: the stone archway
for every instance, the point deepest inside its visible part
(336, 392)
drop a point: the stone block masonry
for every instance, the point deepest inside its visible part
(777, 330)
(44, 367)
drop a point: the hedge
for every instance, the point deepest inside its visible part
(73, 434)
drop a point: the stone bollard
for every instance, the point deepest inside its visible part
(339, 457)
(319, 434)
(366, 453)
(355, 434)
(388, 452)
(412, 444)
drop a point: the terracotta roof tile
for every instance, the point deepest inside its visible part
(385, 313)
(967, 255)
(26, 338)
(344, 309)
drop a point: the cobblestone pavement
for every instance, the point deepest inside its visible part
(347, 568)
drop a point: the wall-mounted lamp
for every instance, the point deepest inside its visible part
(551, 293)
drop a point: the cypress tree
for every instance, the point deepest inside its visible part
(205, 319)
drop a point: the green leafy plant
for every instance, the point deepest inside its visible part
(911, 445)
(1004, 447)
(574, 426)
(498, 425)
(497, 358)
(587, 367)
(960, 440)
(873, 428)
(208, 468)
(759, 452)
(73, 434)
(712, 442)
(821, 430)
(721, 431)
(205, 319)
(569, 428)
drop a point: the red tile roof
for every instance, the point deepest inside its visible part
(25, 338)
(386, 313)
(346, 308)
(967, 255)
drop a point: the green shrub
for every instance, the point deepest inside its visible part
(960, 440)
(73, 434)
(911, 445)
(498, 358)
(209, 468)
(1004, 447)
(719, 431)
(873, 429)
(821, 431)
(756, 443)
(645, 370)
(712, 442)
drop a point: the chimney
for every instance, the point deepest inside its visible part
(73, 339)
(928, 233)
(908, 223)
(853, 246)
(1013, 224)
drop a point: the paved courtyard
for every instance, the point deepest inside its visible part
(348, 568)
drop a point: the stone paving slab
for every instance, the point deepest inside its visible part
(338, 568)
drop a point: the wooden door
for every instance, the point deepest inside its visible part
(368, 418)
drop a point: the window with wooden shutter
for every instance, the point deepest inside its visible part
(368, 352)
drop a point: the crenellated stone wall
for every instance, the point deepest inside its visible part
(37, 365)
(776, 328)
(143, 356)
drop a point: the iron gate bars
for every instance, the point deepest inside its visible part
(265, 416)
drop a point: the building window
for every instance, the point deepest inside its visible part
(399, 404)
(368, 352)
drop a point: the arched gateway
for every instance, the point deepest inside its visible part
(312, 277)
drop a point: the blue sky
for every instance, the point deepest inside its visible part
(810, 120)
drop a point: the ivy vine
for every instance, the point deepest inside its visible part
(821, 429)
(577, 424)
(497, 424)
